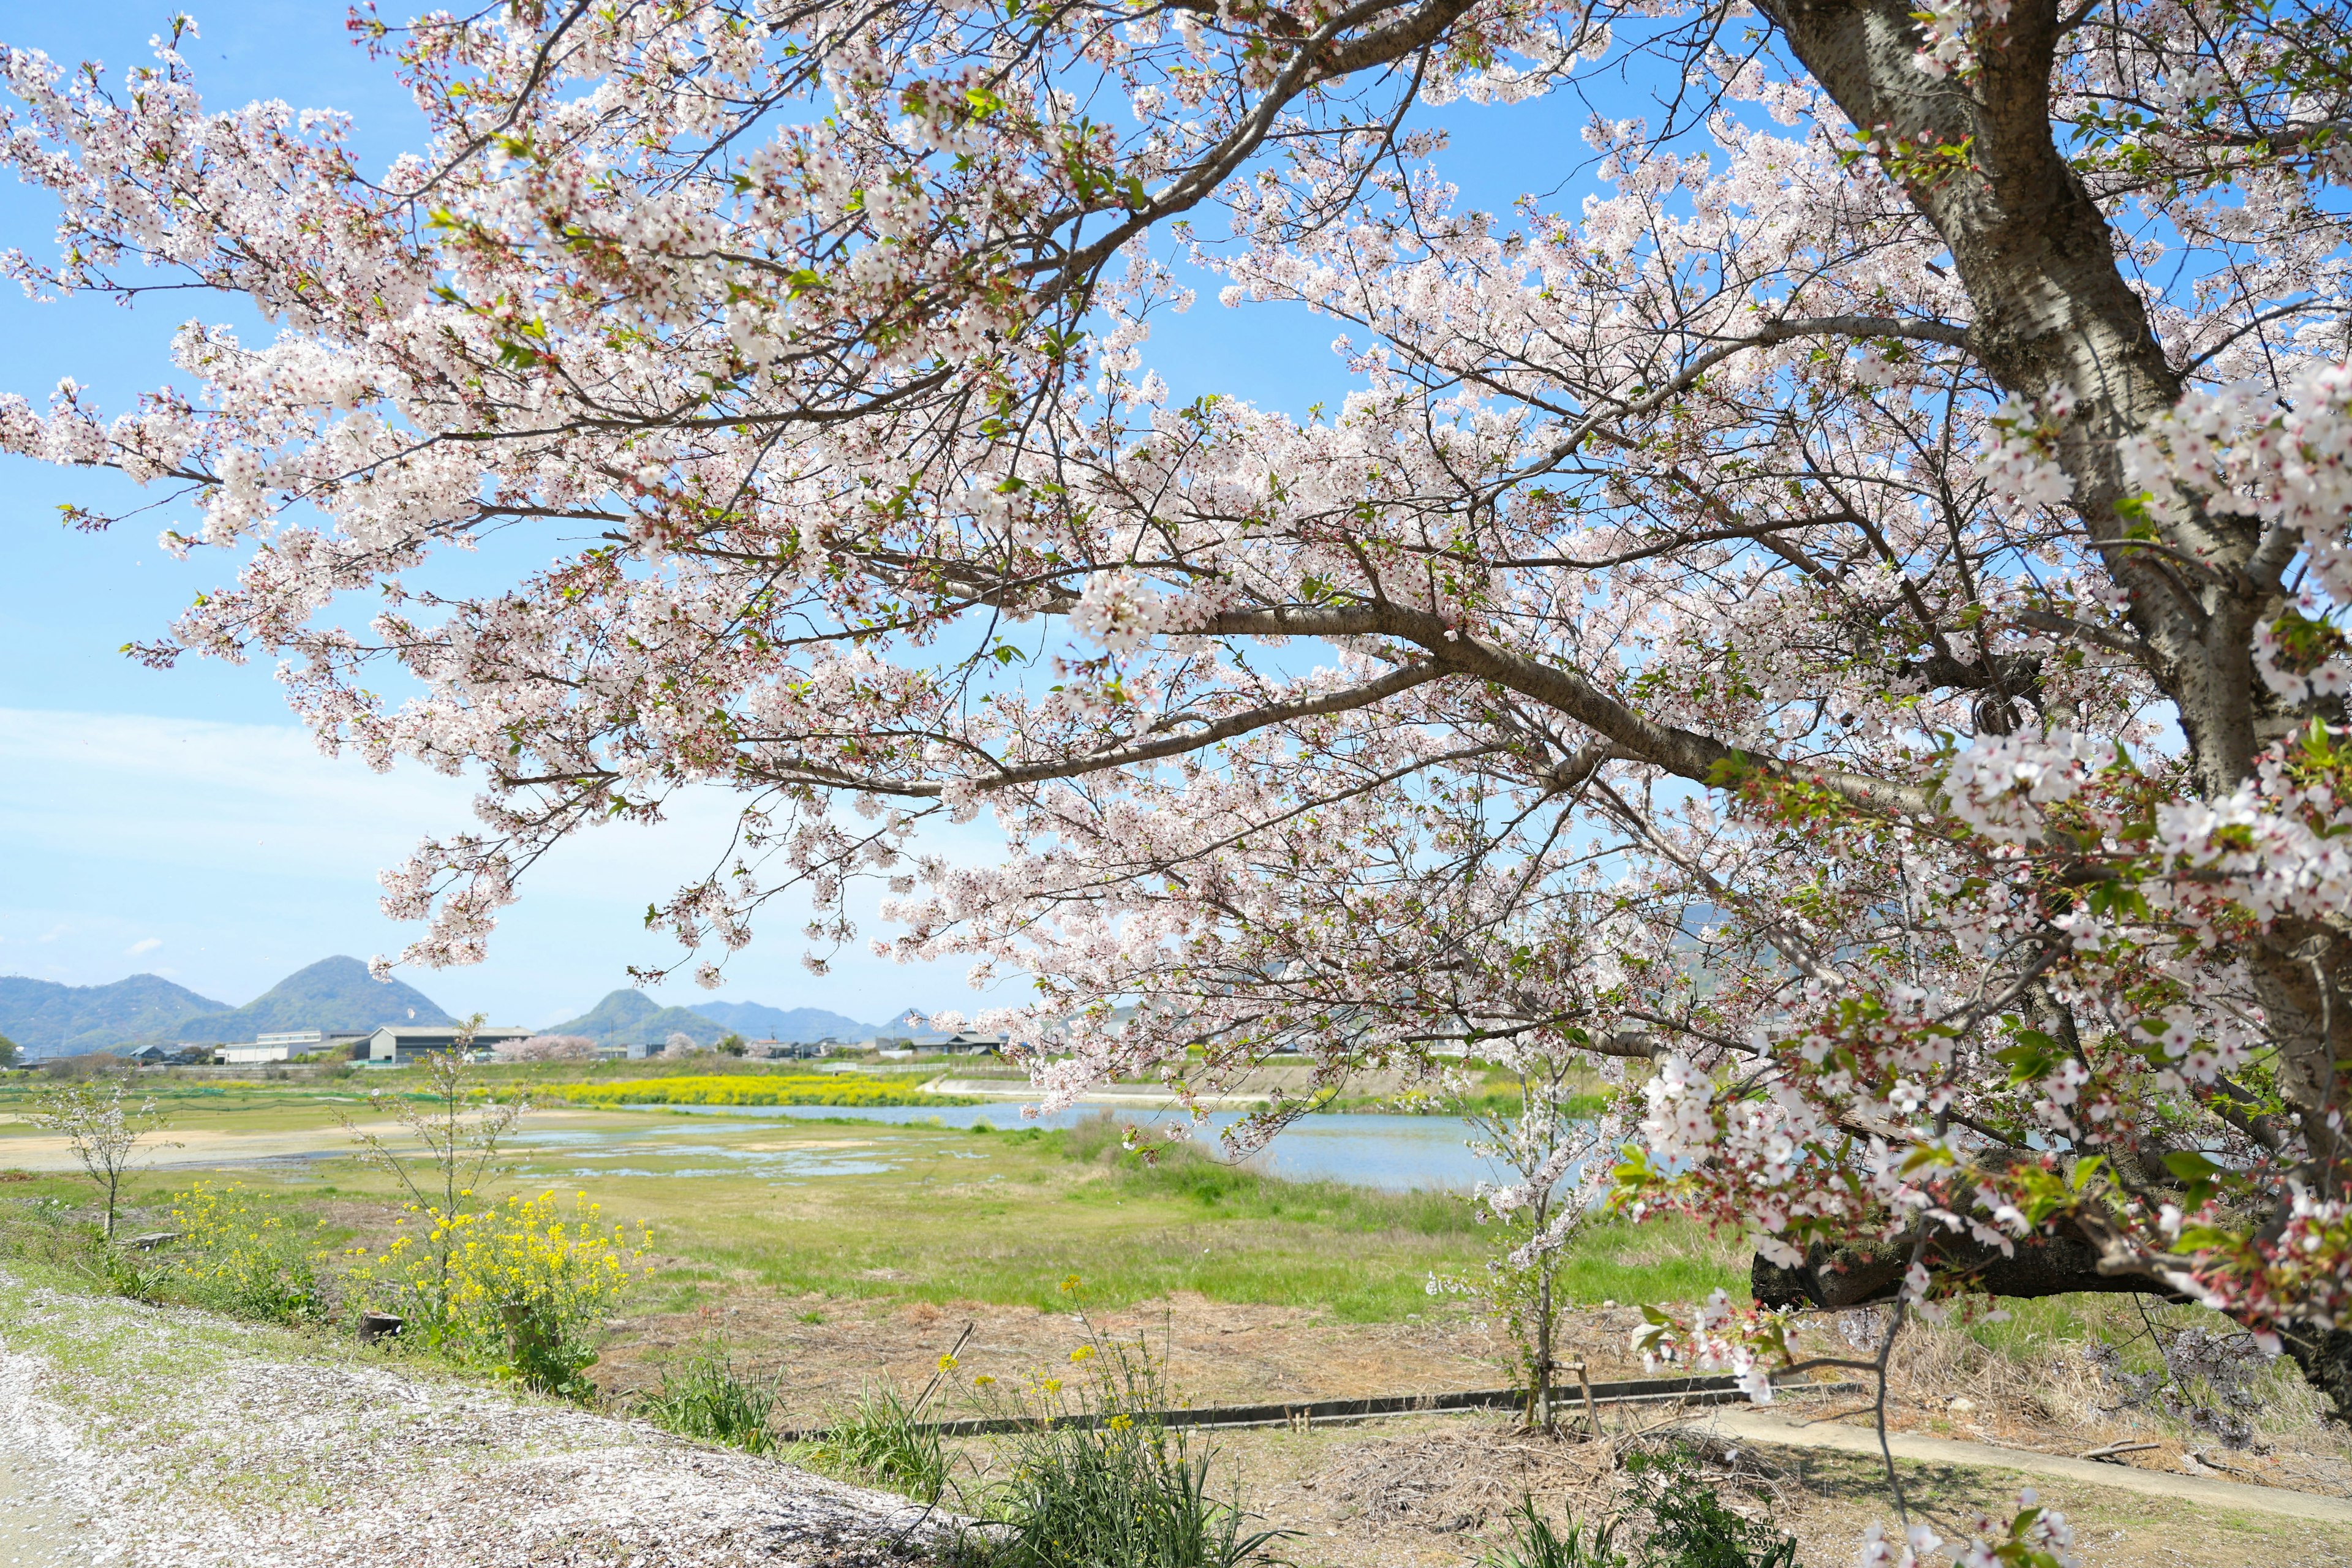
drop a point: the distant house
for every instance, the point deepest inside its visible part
(397, 1043)
(962, 1043)
(149, 1056)
(790, 1051)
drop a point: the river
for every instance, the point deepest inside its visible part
(1395, 1153)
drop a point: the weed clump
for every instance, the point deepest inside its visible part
(1096, 1481)
(710, 1400)
(1676, 1518)
(1533, 1543)
(1689, 1527)
(1124, 1492)
(880, 1436)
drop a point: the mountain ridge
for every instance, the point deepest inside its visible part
(50, 1018)
(45, 1017)
(758, 1021)
(336, 993)
(627, 1017)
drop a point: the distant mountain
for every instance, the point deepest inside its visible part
(627, 1017)
(333, 993)
(52, 1020)
(758, 1021)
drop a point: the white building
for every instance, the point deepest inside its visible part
(264, 1049)
(396, 1043)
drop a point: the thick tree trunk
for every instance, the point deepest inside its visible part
(2052, 311)
(2325, 1357)
(1978, 157)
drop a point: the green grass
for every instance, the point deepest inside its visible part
(998, 1216)
(774, 1089)
(1004, 1217)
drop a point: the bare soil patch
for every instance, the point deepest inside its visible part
(1434, 1490)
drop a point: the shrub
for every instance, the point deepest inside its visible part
(1689, 1527)
(878, 1436)
(517, 1287)
(709, 1399)
(235, 1256)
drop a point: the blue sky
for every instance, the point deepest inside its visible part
(178, 822)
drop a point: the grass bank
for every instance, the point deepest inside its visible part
(747, 1089)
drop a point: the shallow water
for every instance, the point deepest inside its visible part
(1395, 1153)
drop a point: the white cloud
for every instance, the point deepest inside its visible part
(250, 854)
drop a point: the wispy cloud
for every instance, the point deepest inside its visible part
(249, 854)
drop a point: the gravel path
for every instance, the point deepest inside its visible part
(192, 1441)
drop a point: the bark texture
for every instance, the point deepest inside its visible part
(1836, 1277)
(1978, 156)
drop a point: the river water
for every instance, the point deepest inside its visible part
(1395, 1153)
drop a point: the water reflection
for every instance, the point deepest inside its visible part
(1395, 1153)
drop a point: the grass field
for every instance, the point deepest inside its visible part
(748, 1088)
(864, 1210)
(832, 1250)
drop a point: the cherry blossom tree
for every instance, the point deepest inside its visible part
(546, 1048)
(1841, 629)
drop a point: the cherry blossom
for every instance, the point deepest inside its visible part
(1836, 625)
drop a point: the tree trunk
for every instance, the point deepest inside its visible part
(1831, 1278)
(1543, 1348)
(1978, 158)
(2325, 1357)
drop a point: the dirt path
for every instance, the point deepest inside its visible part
(193, 1441)
(1752, 1426)
(209, 1146)
(39, 1525)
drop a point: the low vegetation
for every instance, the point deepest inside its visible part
(1089, 1475)
(710, 1399)
(881, 1438)
(241, 1253)
(1670, 1518)
(749, 1089)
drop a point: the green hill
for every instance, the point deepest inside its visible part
(52, 1020)
(758, 1021)
(625, 1017)
(333, 993)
